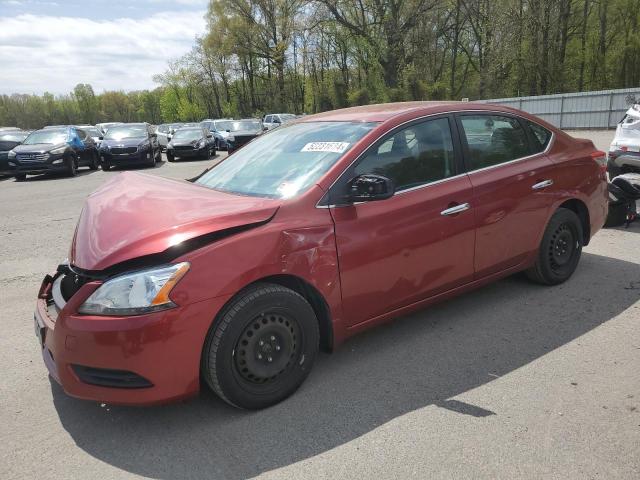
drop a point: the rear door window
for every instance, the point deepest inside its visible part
(493, 139)
(417, 155)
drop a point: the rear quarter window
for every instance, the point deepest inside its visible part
(541, 137)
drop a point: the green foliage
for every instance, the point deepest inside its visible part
(262, 56)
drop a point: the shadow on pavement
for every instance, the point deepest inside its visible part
(424, 359)
(82, 172)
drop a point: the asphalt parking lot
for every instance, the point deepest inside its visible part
(511, 381)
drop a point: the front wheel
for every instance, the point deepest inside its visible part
(95, 162)
(560, 249)
(261, 347)
(170, 156)
(72, 167)
(21, 177)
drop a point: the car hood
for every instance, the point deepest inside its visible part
(135, 215)
(37, 147)
(185, 142)
(245, 133)
(124, 142)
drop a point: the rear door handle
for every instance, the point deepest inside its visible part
(455, 209)
(542, 184)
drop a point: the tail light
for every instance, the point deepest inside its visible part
(600, 158)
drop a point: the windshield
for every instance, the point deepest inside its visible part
(92, 132)
(13, 136)
(237, 125)
(187, 134)
(50, 136)
(286, 161)
(286, 117)
(125, 131)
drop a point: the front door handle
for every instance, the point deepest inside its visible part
(542, 184)
(455, 209)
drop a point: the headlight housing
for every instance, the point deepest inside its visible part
(58, 151)
(136, 293)
(143, 146)
(11, 154)
(231, 138)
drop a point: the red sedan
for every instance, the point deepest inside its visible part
(311, 233)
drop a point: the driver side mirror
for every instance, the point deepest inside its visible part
(209, 135)
(370, 187)
(265, 128)
(100, 138)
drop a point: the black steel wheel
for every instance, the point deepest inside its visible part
(261, 347)
(560, 249)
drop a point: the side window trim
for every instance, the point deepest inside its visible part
(465, 145)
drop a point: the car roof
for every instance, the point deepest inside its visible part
(385, 111)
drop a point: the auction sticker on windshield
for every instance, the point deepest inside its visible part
(335, 147)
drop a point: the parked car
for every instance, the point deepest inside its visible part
(220, 129)
(62, 149)
(164, 132)
(315, 231)
(274, 120)
(103, 127)
(190, 142)
(9, 139)
(93, 132)
(239, 132)
(624, 152)
(130, 144)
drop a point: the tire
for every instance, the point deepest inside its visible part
(20, 177)
(94, 163)
(560, 249)
(170, 157)
(261, 347)
(617, 215)
(159, 155)
(613, 171)
(151, 159)
(72, 167)
(106, 166)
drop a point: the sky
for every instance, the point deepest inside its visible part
(111, 44)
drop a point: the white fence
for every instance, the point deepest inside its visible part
(603, 109)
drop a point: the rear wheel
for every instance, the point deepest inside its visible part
(560, 249)
(21, 177)
(159, 155)
(106, 166)
(261, 347)
(170, 157)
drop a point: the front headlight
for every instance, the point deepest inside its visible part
(58, 151)
(136, 293)
(231, 138)
(11, 154)
(143, 146)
